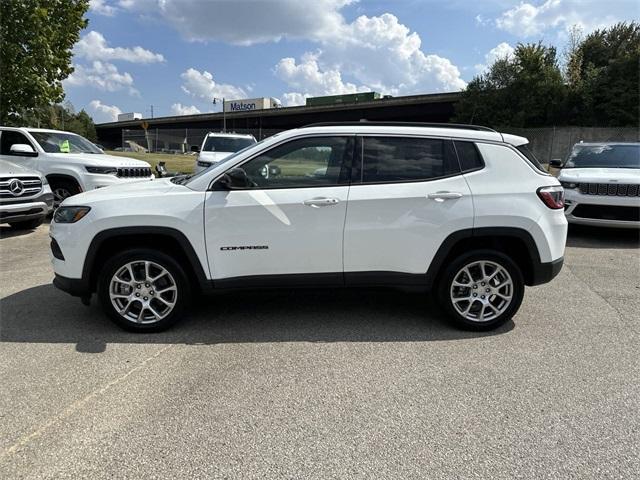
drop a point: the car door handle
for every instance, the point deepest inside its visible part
(442, 196)
(321, 202)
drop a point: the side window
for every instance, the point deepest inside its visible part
(406, 159)
(8, 138)
(307, 162)
(469, 156)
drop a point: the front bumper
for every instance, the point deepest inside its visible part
(73, 286)
(28, 210)
(602, 210)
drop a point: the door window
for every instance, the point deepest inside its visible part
(8, 138)
(406, 159)
(306, 162)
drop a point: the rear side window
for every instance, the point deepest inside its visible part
(406, 159)
(469, 156)
(524, 150)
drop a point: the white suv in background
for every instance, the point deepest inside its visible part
(216, 146)
(460, 211)
(602, 184)
(71, 163)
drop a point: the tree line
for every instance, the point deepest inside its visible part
(595, 83)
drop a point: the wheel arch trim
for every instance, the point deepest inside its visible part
(100, 238)
(447, 246)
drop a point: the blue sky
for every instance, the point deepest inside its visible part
(179, 54)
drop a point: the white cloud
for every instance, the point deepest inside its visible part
(101, 75)
(294, 99)
(93, 46)
(201, 85)
(380, 53)
(501, 51)
(245, 22)
(179, 109)
(530, 20)
(101, 7)
(103, 112)
(307, 76)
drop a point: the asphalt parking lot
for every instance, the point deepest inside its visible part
(325, 384)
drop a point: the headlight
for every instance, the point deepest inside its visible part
(569, 184)
(70, 214)
(103, 170)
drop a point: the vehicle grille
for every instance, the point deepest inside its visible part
(30, 186)
(610, 189)
(607, 212)
(134, 172)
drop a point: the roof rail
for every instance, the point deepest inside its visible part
(403, 124)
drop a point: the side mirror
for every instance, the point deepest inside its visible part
(234, 179)
(195, 148)
(555, 163)
(23, 149)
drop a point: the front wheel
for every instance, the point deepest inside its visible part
(481, 290)
(143, 290)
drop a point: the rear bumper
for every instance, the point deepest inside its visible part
(73, 286)
(545, 272)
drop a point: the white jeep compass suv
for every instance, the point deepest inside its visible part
(71, 163)
(460, 211)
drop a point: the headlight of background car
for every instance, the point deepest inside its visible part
(103, 170)
(70, 214)
(569, 184)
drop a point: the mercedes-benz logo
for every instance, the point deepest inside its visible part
(16, 187)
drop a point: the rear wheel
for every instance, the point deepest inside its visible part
(27, 224)
(63, 189)
(481, 290)
(143, 290)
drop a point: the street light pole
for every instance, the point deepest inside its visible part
(224, 114)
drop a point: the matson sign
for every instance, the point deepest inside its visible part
(251, 104)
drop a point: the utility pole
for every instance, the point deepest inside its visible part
(151, 111)
(224, 114)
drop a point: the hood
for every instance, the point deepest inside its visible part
(119, 191)
(102, 160)
(600, 175)
(213, 157)
(8, 168)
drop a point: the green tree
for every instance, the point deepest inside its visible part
(605, 79)
(36, 37)
(523, 90)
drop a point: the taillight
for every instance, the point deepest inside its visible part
(553, 197)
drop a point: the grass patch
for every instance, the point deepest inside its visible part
(174, 163)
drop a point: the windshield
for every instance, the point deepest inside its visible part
(183, 179)
(607, 156)
(227, 144)
(58, 142)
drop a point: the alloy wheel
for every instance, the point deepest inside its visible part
(481, 291)
(59, 194)
(143, 292)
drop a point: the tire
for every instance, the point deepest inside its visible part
(63, 188)
(27, 224)
(140, 300)
(491, 303)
